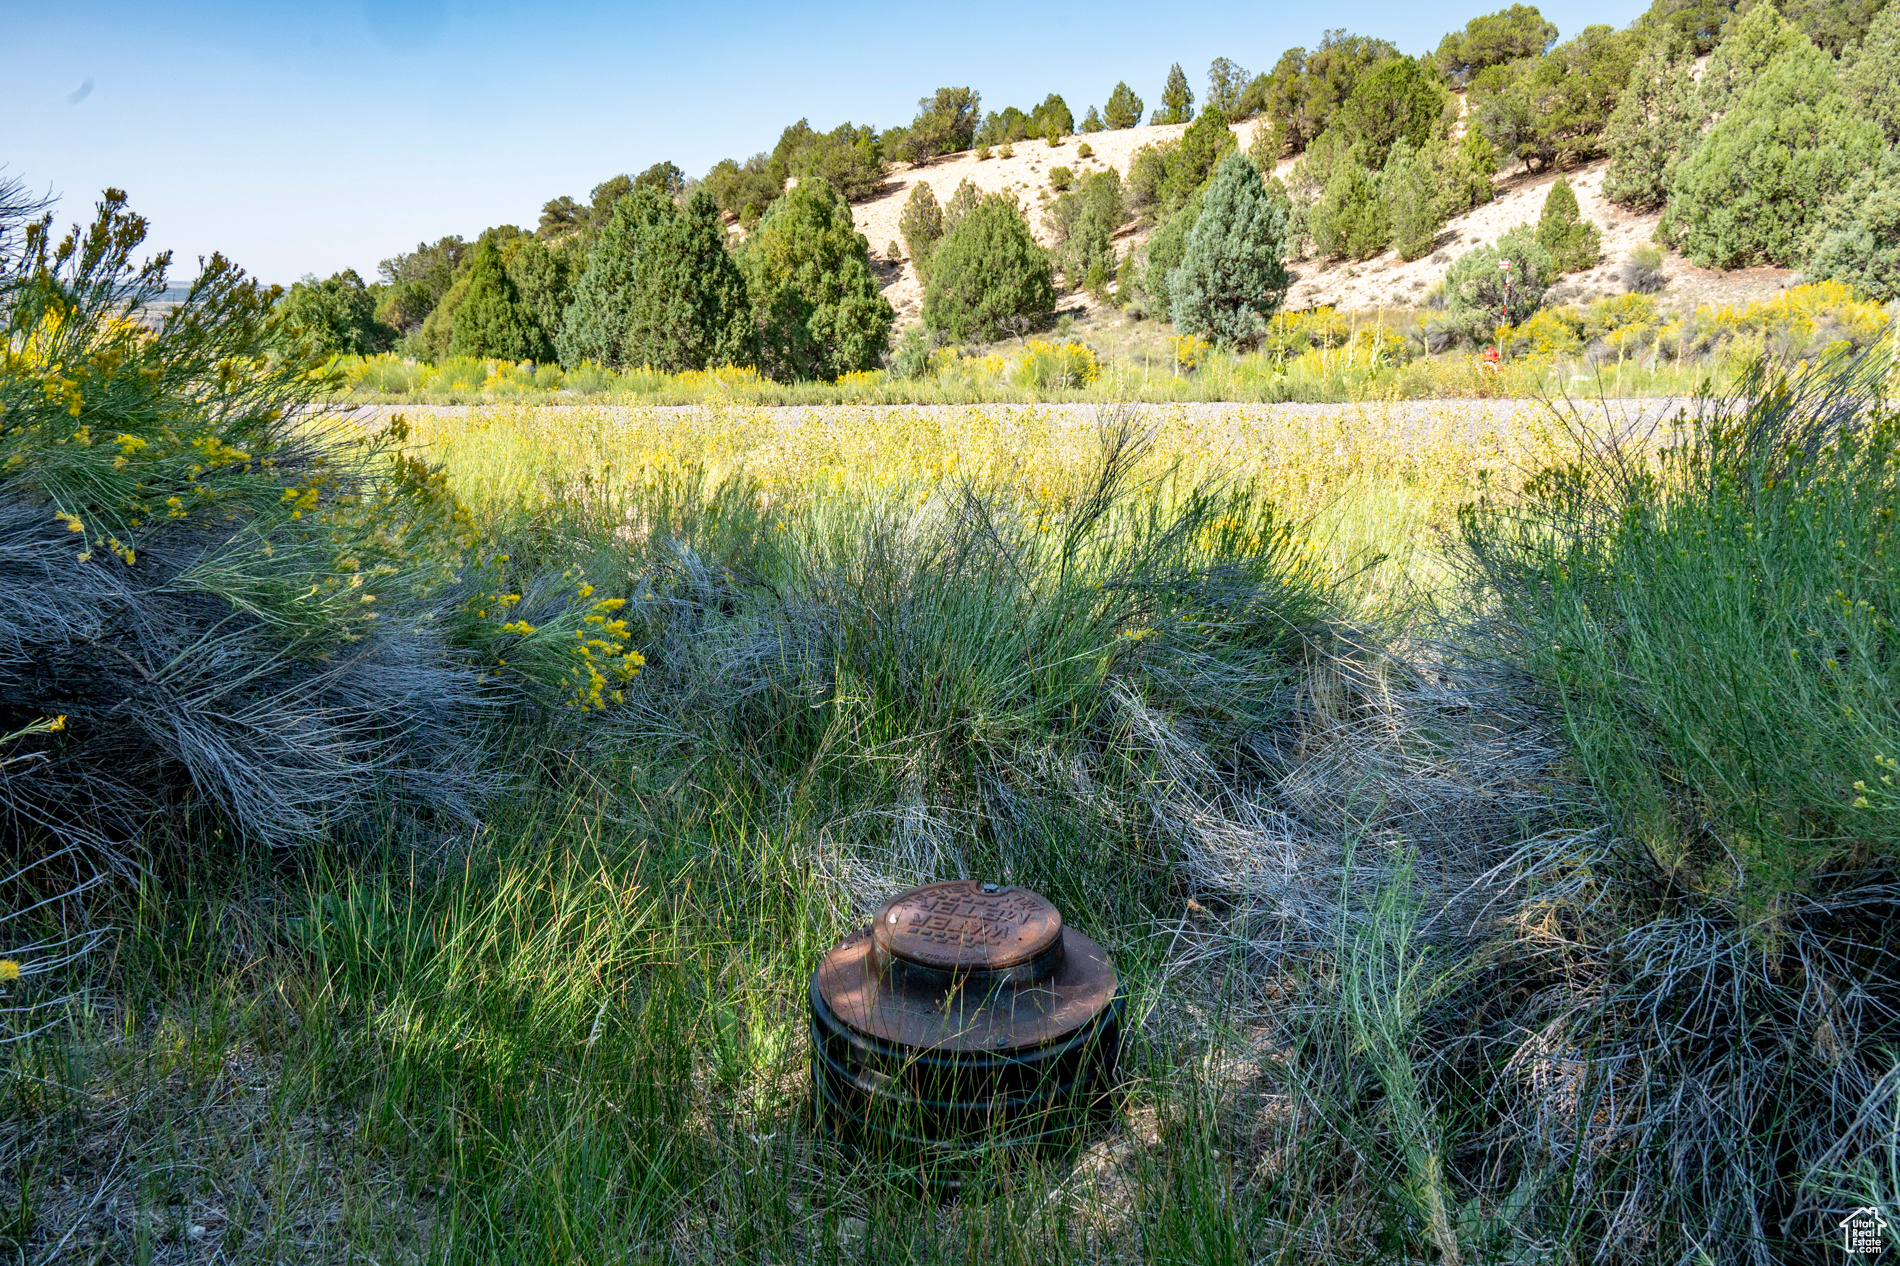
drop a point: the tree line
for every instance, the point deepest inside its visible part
(1781, 151)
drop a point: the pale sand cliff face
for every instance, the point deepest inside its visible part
(1381, 282)
(1026, 174)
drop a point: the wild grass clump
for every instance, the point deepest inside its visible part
(941, 674)
(1710, 622)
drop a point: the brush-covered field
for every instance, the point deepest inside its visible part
(418, 840)
(1627, 346)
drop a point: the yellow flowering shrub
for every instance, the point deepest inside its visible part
(1047, 366)
(298, 601)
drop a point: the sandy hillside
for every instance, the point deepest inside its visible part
(1027, 173)
(1386, 281)
(1383, 281)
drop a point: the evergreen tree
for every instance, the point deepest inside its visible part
(1416, 192)
(922, 226)
(989, 276)
(545, 276)
(1124, 108)
(493, 319)
(1859, 237)
(417, 281)
(1307, 88)
(660, 290)
(1177, 99)
(1083, 224)
(1469, 176)
(1400, 99)
(744, 190)
(1483, 295)
(1750, 43)
(1192, 160)
(663, 176)
(1508, 35)
(1749, 192)
(1691, 26)
(814, 298)
(962, 202)
(1870, 73)
(1573, 243)
(1265, 146)
(1225, 82)
(1655, 124)
(1053, 113)
(1092, 121)
(1351, 219)
(1165, 250)
(336, 316)
(431, 342)
(1232, 276)
(946, 121)
(1554, 110)
(1832, 25)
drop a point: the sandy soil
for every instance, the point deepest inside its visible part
(1387, 281)
(1027, 173)
(1381, 282)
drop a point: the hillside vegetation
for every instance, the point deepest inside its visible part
(1733, 141)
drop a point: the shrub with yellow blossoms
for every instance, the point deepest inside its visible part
(238, 598)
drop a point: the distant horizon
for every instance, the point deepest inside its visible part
(309, 139)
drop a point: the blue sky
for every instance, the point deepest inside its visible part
(313, 137)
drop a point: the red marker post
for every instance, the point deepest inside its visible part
(1504, 313)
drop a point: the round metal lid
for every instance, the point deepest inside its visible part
(963, 925)
(974, 1011)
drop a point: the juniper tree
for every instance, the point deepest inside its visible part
(1083, 224)
(1165, 249)
(1657, 121)
(922, 226)
(1398, 100)
(1225, 82)
(545, 274)
(1352, 219)
(1751, 189)
(1414, 190)
(946, 121)
(1495, 38)
(1574, 243)
(990, 276)
(660, 289)
(1469, 174)
(1750, 43)
(1858, 239)
(961, 203)
(1177, 99)
(1483, 295)
(1232, 276)
(431, 342)
(493, 319)
(815, 300)
(334, 317)
(1306, 87)
(1870, 73)
(1123, 109)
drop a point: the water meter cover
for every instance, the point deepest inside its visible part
(964, 925)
